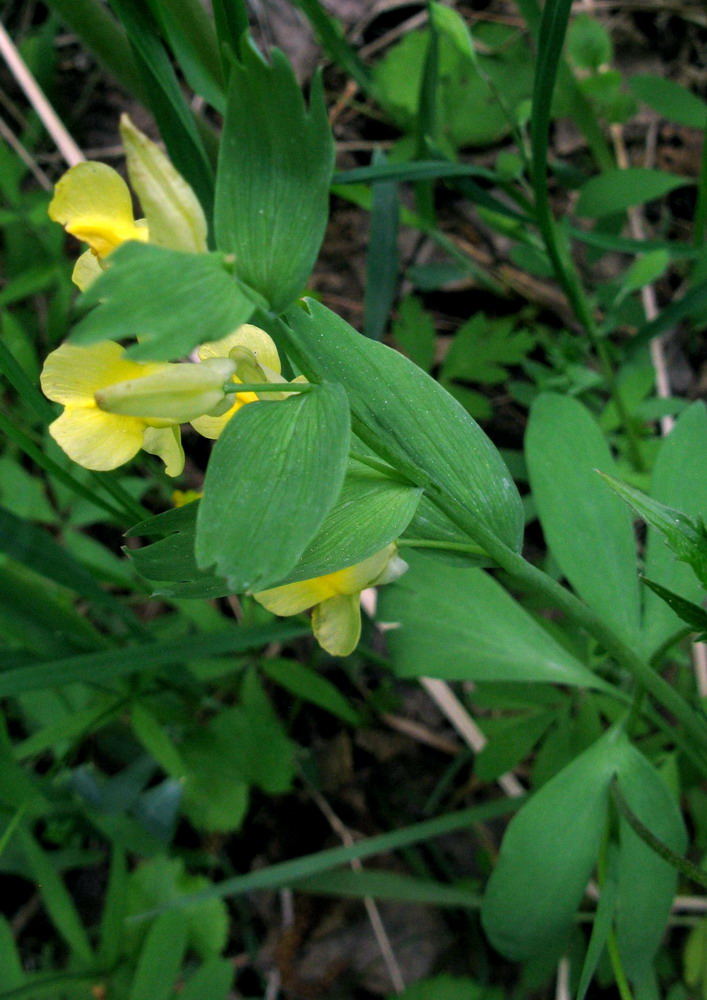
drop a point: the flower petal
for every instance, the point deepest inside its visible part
(255, 340)
(93, 203)
(86, 269)
(211, 427)
(336, 624)
(174, 214)
(292, 598)
(166, 443)
(354, 579)
(97, 440)
(72, 374)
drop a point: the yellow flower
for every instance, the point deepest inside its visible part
(113, 406)
(335, 599)
(256, 360)
(94, 204)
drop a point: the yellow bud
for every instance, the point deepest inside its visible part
(174, 216)
(173, 395)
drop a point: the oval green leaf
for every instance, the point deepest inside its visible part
(408, 418)
(459, 624)
(548, 854)
(273, 476)
(616, 190)
(587, 528)
(670, 100)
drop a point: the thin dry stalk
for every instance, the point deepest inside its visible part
(449, 704)
(36, 97)
(379, 931)
(24, 154)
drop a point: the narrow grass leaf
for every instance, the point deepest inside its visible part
(104, 667)
(166, 290)
(288, 872)
(382, 259)
(389, 885)
(275, 167)
(192, 38)
(603, 921)
(588, 530)
(305, 683)
(55, 896)
(13, 974)
(298, 450)
(166, 100)
(332, 39)
(114, 910)
(408, 419)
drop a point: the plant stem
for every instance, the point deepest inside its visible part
(235, 387)
(579, 613)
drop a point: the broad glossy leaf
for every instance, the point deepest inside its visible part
(275, 167)
(647, 883)
(273, 476)
(679, 481)
(460, 624)
(615, 190)
(372, 510)
(171, 300)
(587, 528)
(548, 854)
(408, 418)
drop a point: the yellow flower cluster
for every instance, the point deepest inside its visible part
(114, 406)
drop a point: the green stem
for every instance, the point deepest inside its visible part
(618, 969)
(682, 865)
(234, 387)
(577, 612)
(427, 543)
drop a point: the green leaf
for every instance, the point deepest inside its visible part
(150, 656)
(13, 975)
(670, 100)
(467, 108)
(161, 958)
(588, 531)
(163, 880)
(303, 682)
(589, 43)
(414, 332)
(55, 895)
(483, 348)
(160, 295)
(382, 259)
(647, 883)
(241, 746)
(212, 981)
(548, 854)
(409, 419)
(678, 481)
(693, 614)
(372, 510)
(510, 741)
(616, 190)
(275, 167)
(192, 38)
(114, 909)
(443, 614)
(389, 885)
(446, 987)
(603, 922)
(645, 269)
(297, 450)
(686, 538)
